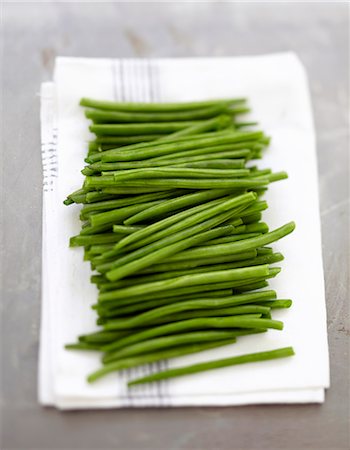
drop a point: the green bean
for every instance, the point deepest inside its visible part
(126, 140)
(190, 183)
(115, 216)
(190, 305)
(139, 128)
(239, 246)
(165, 251)
(175, 204)
(98, 249)
(92, 239)
(103, 116)
(119, 202)
(120, 190)
(156, 356)
(166, 342)
(174, 172)
(227, 362)
(155, 107)
(184, 281)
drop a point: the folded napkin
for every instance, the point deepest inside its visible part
(277, 89)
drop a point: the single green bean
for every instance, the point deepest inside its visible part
(120, 190)
(103, 116)
(220, 363)
(176, 172)
(155, 107)
(190, 183)
(139, 128)
(126, 140)
(92, 239)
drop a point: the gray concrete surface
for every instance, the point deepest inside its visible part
(32, 35)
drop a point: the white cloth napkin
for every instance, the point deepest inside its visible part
(277, 89)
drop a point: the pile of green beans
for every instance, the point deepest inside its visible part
(172, 227)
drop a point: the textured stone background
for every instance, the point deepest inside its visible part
(32, 35)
